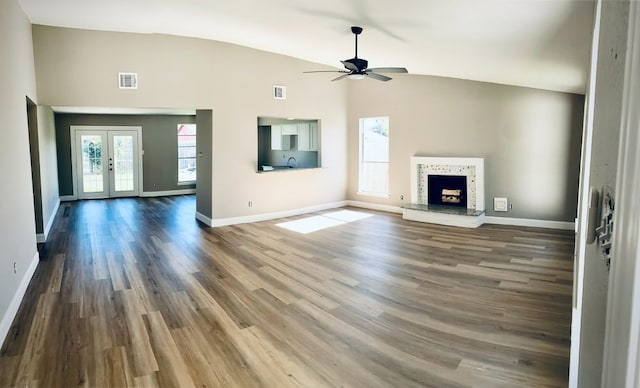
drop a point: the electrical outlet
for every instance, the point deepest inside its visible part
(15, 267)
(250, 203)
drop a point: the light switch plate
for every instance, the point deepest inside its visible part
(500, 204)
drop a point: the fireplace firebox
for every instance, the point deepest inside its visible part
(447, 190)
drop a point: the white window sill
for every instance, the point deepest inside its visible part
(376, 195)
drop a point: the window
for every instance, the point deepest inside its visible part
(186, 153)
(374, 156)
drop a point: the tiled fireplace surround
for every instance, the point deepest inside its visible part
(422, 167)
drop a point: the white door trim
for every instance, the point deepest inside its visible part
(72, 133)
(621, 364)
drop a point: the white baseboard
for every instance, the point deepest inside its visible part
(146, 194)
(12, 310)
(42, 237)
(375, 206)
(216, 222)
(204, 219)
(565, 225)
(167, 193)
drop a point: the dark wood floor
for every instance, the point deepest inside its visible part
(134, 292)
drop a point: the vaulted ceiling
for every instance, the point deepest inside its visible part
(535, 43)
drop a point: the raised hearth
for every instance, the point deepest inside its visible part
(443, 215)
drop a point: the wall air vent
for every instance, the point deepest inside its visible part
(128, 80)
(279, 92)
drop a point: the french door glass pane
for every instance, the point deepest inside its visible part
(123, 162)
(92, 174)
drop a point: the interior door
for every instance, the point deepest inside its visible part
(107, 163)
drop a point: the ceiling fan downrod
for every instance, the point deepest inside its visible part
(356, 31)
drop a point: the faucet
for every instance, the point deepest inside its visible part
(291, 162)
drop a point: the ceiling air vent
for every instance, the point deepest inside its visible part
(128, 80)
(279, 92)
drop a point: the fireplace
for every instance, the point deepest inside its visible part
(447, 190)
(456, 183)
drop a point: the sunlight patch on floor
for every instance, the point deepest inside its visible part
(347, 215)
(328, 220)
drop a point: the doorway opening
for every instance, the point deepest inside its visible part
(32, 125)
(106, 161)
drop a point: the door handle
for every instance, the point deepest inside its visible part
(593, 214)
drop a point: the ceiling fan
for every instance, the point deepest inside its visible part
(356, 68)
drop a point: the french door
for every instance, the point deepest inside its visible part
(107, 163)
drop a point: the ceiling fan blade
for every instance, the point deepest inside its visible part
(388, 70)
(326, 71)
(341, 77)
(350, 66)
(379, 77)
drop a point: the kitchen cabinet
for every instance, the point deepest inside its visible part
(308, 136)
(289, 129)
(278, 141)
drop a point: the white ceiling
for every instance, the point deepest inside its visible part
(537, 43)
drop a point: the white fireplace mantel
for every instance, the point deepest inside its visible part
(419, 210)
(451, 166)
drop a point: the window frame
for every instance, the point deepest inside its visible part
(179, 158)
(362, 189)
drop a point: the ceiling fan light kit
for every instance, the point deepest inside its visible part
(357, 68)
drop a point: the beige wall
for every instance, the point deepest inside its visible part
(17, 225)
(530, 138)
(48, 163)
(79, 68)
